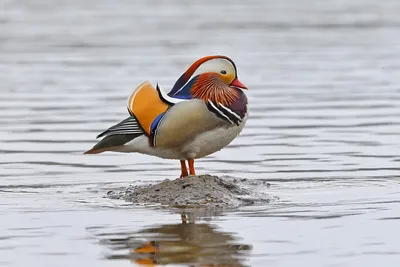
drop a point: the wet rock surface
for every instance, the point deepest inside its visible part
(196, 191)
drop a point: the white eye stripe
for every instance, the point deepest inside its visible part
(212, 65)
(215, 65)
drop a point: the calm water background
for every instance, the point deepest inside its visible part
(323, 130)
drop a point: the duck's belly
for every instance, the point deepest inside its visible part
(212, 141)
(202, 145)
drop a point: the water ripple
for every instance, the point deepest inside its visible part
(323, 130)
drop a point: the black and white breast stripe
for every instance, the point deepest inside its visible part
(224, 112)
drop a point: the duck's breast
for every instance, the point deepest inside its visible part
(183, 122)
(214, 140)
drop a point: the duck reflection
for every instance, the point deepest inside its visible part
(194, 244)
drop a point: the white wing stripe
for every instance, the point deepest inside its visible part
(125, 128)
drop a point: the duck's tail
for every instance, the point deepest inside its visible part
(112, 143)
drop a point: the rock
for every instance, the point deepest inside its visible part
(196, 191)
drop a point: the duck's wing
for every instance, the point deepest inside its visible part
(170, 121)
(117, 135)
(146, 104)
(146, 108)
(127, 126)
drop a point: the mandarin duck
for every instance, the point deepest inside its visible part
(205, 110)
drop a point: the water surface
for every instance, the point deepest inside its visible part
(323, 131)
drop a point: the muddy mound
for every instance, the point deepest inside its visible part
(196, 191)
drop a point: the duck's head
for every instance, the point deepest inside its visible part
(213, 73)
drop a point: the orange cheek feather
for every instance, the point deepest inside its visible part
(227, 78)
(210, 87)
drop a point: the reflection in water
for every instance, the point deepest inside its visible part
(195, 244)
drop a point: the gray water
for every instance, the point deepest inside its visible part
(324, 128)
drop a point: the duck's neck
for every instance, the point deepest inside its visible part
(208, 87)
(219, 97)
(233, 112)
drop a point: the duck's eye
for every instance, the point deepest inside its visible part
(223, 71)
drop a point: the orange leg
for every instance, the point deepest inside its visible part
(184, 171)
(191, 167)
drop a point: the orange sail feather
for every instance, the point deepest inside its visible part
(146, 105)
